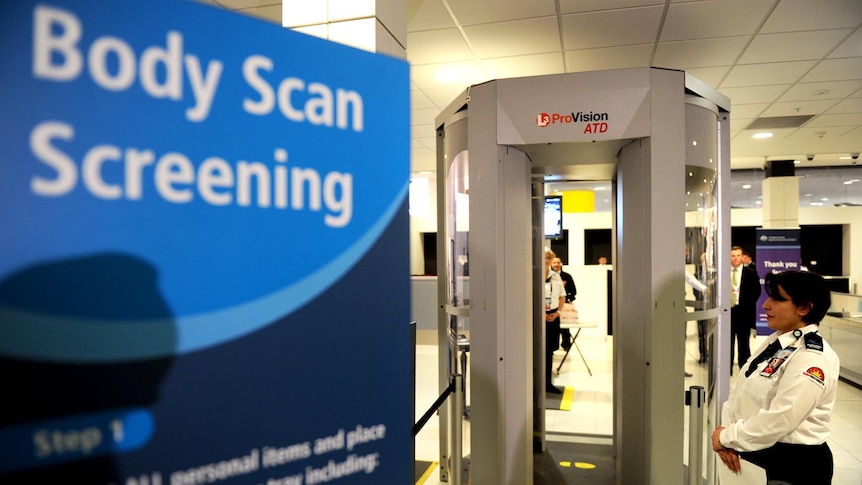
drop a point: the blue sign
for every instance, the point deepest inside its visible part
(777, 250)
(204, 226)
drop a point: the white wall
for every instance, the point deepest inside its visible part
(591, 279)
(423, 218)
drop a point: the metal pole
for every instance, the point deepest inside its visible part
(695, 400)
(457, 416)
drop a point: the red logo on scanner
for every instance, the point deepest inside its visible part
(595, 122)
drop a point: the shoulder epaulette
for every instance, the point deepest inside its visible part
(813, 341)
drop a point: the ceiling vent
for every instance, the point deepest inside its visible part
(778, 122)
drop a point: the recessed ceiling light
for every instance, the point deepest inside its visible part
(746, 186)
(762, 135)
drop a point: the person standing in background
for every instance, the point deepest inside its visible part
(555, 297)
(747, 261)
(743, 306)
(571, 294)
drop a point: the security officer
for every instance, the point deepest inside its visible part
(778, 414)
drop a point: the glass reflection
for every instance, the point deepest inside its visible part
(457, 231)
(701, 212)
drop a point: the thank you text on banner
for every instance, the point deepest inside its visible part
(777, 250)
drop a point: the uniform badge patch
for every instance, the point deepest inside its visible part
(816, 375)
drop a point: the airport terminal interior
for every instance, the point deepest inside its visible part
(792, 72)
(586, 417)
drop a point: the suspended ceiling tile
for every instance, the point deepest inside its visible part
(422, 131)
(836, 70)
(519, 66)
(820, 134)
(429, 142)
(764, 146)
(442, 96)
(747, 111)
(473, 12)
(853, 136)
(436, 46)
(792, 46)
(581, 6)
(447, 75)
(738, 124)
(836, 120)
(795, 108)
(611, 28)
(418, 99)
(821, 90)
(713, 18)
(852, 47)
(423, 116)
(268, 13)
(514, 38)
(766, 74)
(712, 76)
(687, 54)
(849, 105)
(752, 95)
(608, 58)
(800, 15)
(427, 15)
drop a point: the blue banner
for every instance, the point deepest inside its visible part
(204, 227)
(777, 250)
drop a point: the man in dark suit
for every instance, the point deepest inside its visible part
(743, 305)
(571, 293)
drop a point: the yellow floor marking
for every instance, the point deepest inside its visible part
(585, 466)
(566, 463)
(566, 401)
(427, 473)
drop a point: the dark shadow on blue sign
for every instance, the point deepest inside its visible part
(112, 287)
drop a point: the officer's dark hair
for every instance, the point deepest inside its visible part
(802, 287)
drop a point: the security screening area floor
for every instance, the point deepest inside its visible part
(579, 443)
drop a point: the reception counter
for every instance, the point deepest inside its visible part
(844, 334)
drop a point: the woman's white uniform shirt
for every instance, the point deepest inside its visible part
(791, 403)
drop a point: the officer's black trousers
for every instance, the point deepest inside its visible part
(794, 464)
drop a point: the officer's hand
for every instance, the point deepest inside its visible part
(731, 459)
